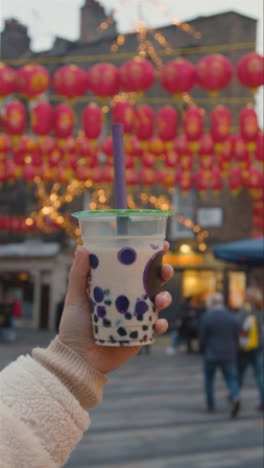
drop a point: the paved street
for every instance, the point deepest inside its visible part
(152, 417)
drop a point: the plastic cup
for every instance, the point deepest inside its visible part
(126, 249)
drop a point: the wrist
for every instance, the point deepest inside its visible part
(70, 365)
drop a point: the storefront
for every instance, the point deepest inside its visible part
(36, 274)
(200, 274)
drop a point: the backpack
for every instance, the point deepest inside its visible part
(248, 335)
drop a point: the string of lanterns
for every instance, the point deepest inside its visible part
(212, 73)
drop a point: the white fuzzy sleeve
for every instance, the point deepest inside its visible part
(40, 420)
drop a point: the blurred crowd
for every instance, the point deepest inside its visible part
(11, 311)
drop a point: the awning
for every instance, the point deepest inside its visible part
(246, 252)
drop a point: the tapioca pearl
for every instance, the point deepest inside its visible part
(141, 308)
(106, 323)
(101, 312)
(121, 331)
(91, 306)
(127, 256)
(134, 335)
(145, 337)
(95, 318)
(140, 318)
(153, 308)
(94, 261)
(98, 294)
(107, 303)
(145, 327)
(153, 326)
(101, 341)
(95, 329)
(122, 304)
(128, 316)
(112, 339)
(150, 318)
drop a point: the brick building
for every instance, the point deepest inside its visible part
(234, 35)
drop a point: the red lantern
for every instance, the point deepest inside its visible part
(98, 175)
(193, 123)
(186, 162)
(201, 181)
(178, 76)
(5, 146)
(235, 180)
(27, 151)
(29, 173)
(167, 123)
(32, 80)
(63, 121)
(206, 146)
(137, 75)
(107, 146)
(124, 113)
(226, 153)
(11, 170)
(248, 122)
(83, 173)
(148, 160)
(133, 146)
(55, 156)
(240, 151)
(108, 174)
(42, 118)
(171, 159)
(132, 177)
(156, 146)
(69, 147)
(63, 175)
(70, 81)
(206, 162)
(147, 177)
(214, 72)
(254, 180)
(260, 148)
(7, 80)
(46, 145)
(258, 223)
(250, 70)
(15, 118)
(166, 177)
(221, 124)
(92, 162)
(216, 182)
(46, 173)
(181, 145)
(92, 121)
(184, 180)
(104, 79)
(144, 122)
(86, 147)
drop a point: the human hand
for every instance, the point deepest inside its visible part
(76, 325)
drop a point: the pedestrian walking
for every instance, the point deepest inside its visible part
(251, 340)
(218, 335)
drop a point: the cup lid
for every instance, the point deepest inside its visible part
(95, 214)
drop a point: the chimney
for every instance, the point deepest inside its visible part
(92, 17)
(15, 40)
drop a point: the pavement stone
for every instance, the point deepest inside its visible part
(151, 415)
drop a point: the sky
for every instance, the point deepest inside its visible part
(49, 18)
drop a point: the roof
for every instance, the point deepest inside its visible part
(30, 249)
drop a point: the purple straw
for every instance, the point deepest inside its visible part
(119, 166)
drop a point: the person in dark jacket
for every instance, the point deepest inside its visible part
(218, 335)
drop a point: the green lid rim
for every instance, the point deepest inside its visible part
(98, 213)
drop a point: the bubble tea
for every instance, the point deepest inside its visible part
(126, 249)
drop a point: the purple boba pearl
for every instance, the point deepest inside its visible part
(101, 312)
(94, 261)
(141, 308)
(91, 303)
(127, 256)
(98, 294)
(122, 304)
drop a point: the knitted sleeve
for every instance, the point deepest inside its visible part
(42, 401)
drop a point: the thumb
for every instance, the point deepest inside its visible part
(79, 275)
